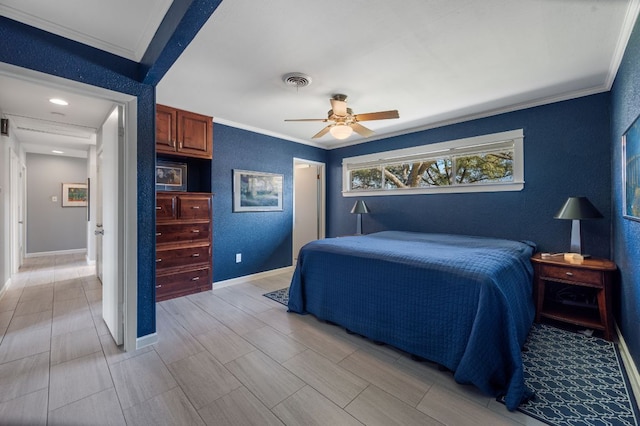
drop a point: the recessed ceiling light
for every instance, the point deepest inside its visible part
(55, 151)
(58, 101)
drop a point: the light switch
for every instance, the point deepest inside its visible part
(54, 199)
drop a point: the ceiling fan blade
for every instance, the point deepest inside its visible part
(382, 115)
(307, 119)
(361, 130)
(339, 107)
(321, 133)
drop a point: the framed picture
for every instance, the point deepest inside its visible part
(74, 195)
(256, 191)
(631, 171)
(171, 176)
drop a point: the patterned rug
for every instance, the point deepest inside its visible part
(280, 296)
(578, 380)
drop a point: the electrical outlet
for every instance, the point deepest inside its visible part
(54, 199)
(238, 257)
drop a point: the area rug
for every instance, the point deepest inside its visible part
(578, 380)
(280, 296)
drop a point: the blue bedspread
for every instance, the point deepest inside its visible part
(463, 302)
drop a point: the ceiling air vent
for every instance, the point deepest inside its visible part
(296, 80)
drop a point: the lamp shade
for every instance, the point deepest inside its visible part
(578, 208)
(341, 131)
(360, 207)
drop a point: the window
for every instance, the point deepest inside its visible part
(480, 164)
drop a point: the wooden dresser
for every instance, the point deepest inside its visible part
(183, 243)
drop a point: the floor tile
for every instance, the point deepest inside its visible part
(237, 408)
(308, 407)
(383, 374)
(329, 345)
(194, 320)
(224, 344)
(170, 408)
(266, 379)
(174, 342)
(375, 407)
(234, 318)
(331, 380)
(99, 409)
(26, 342)
(114, 354)
(203, 379)
(444, 405)
(275, 344)
(140, 378)
(77, 379)
(30, 409)
(24, 376)
(69, 346)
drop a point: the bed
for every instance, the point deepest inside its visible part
(460, 301)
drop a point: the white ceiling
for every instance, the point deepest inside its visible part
(436, 61)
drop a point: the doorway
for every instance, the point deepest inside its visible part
(126, 168)
(308, 203)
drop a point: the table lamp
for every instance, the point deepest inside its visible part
(577, 209)
(359, 208)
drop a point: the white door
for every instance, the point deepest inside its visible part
(22, 217)
(14, 212)
(99, 231)
(108, 176)
(308, 217)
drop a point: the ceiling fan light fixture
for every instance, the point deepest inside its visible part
(341, 131)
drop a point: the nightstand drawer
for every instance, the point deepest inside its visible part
(569, 274)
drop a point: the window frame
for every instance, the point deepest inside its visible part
(466, 146)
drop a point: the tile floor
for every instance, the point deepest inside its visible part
(224, 357)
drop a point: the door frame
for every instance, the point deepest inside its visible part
(322, 199)
(129, 194)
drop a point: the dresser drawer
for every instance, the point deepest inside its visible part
(195, 207)
(166, 207)
(171, 233)
(569, 274)
(169, 285)
(182, 256)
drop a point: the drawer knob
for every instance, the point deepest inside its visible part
(158, 208)
(569, 274)
(158, 260)
(159, 286)
(195, 255)
(158, 234)
(195, 231)
(195, 278)
(195, 207)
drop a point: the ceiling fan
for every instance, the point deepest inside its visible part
(345, 122)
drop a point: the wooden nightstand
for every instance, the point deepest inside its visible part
(592, 273)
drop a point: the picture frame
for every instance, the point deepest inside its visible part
(75, 195)
(171, 176)
(631, 171)
(257, 191)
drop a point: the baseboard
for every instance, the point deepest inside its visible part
(630, 365)
(148, 340)
(56, 253)
(253, 277)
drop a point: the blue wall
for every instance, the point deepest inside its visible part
(263, 238)
(567, 153)
(625, 106)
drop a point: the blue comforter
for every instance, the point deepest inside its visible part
(463, 302)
